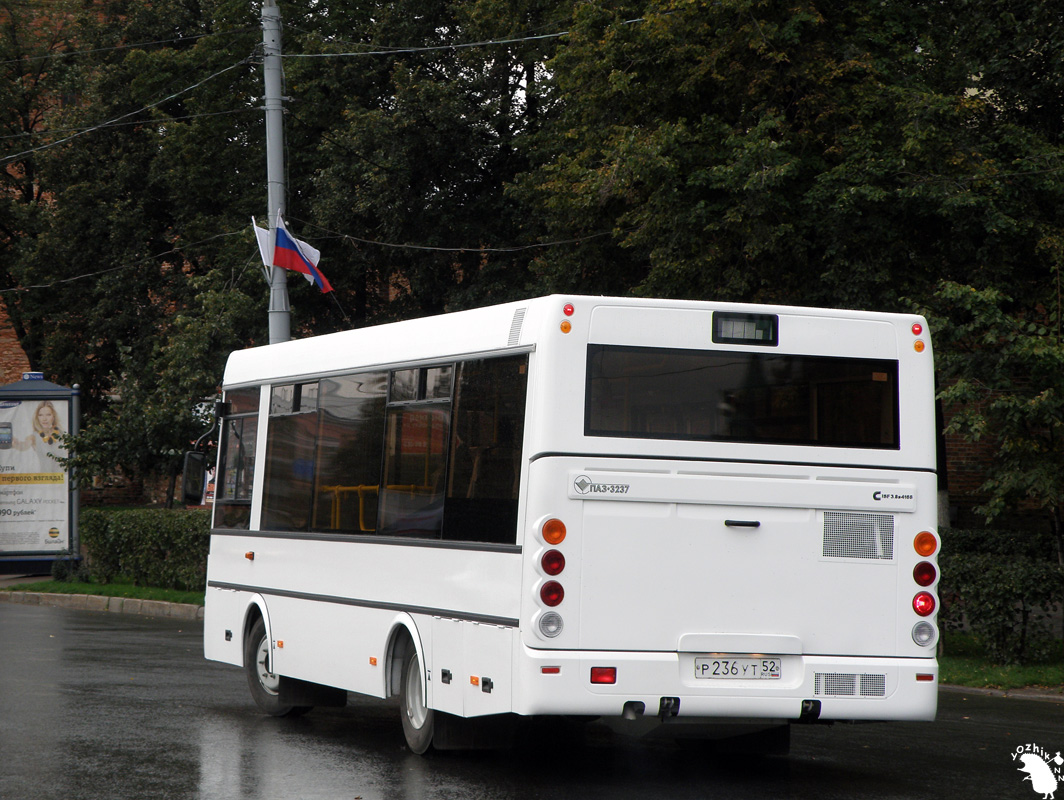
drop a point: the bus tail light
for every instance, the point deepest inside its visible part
(553, 562)
(924, 604)
(924, 633)
(925, 573)
(925, 543)
(551, 593)
(553, 531)
(604, 675)
(550, 624)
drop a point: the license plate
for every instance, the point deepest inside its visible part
(741, 669)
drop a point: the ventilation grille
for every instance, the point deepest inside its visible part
(842, 684)
(858, 536)
(515, 328)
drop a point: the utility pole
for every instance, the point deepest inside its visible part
(279, 315)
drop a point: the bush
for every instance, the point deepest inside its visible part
(151, 547)
(1005, 587)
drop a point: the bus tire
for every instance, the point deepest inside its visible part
(418, 719)
(264, 684)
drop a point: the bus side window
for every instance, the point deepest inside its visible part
(485, 467)
(290, 451)
(350, 449)
(415, 452)
(239, 432)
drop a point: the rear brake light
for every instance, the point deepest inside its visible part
(553, 563)
(604, 674)
(924, 604)
(925, 573)
(551, 593)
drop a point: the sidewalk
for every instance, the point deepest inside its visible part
(89, 602)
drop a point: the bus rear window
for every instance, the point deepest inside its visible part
(754, 397)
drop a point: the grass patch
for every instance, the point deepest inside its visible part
(114, 589)
(964, 664)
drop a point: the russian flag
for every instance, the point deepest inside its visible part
(291, 253)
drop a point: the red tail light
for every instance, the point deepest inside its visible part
(551, 593)
(925, 573)
(924, 604)
(553, 563)
(604, 674)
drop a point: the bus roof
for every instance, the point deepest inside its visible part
(494, 329)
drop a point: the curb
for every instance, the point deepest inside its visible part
(1025, 693)
(114, 605)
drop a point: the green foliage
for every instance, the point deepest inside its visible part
(164, 549)
(1003, 370)
(1001, 584)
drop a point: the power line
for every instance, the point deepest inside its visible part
(477, 249)
(141, 262)
(135, 122)
(425, 49)
(177, 40)
(108, 123)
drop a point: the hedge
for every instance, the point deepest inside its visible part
(1005, 586)
(151, 547)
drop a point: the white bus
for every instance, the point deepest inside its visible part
(669, 511)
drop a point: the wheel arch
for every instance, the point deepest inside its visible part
(256, 609)
(403, 637)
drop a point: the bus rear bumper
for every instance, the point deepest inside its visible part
(665, 685)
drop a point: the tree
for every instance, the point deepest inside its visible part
(1003, 369)
(819, 152)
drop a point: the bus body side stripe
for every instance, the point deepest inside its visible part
(505, 622)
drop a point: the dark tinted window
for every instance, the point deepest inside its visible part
(485, 467)
(350, 448)
(290, 458)
(741, 397)
(411, 502)
(233, 487)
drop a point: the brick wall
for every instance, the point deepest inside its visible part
(13, 361)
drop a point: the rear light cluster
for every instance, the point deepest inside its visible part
(925, 574)
(919, 345)
(552, 562)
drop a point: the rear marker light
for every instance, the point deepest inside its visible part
(924, 676)
(917, 329)
(553, 562)
(925, 543)
(604, 674)
(924, 604)
(568, 309)
(554, 531)
(551, 670)
(550, 625)
(551, 593)
(925, 573)
(924, 633)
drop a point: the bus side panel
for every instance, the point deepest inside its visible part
(223, 625)
(331, 628)
(471, 668)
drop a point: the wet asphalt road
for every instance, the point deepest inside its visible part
(96, 705)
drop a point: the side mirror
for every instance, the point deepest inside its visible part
(195, 474)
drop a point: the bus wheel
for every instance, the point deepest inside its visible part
(264, 684)
(418, 719)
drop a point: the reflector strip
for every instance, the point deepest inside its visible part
(604, 674)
